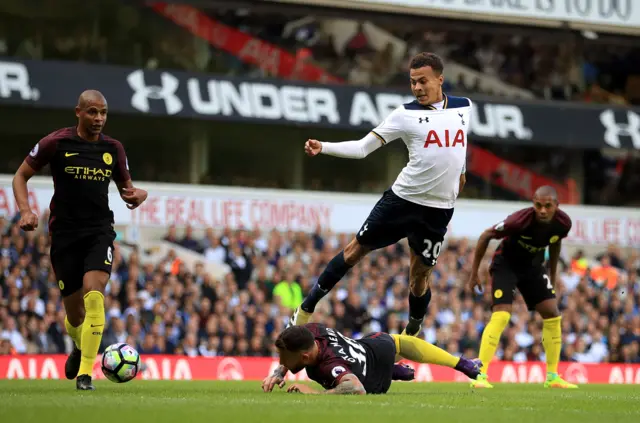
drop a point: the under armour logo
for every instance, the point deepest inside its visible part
(426, 119)
(364, 229)
(615, 130)
(461, 117)
(143, 92)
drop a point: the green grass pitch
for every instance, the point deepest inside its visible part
(226, 402)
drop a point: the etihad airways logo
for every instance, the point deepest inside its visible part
(88, 173)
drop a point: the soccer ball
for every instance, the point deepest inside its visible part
(120, 363)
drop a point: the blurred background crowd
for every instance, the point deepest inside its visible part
(169, 308)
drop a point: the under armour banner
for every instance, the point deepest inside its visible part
(50, 84)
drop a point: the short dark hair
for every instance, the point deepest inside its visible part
(423, 59)
(295, 339)
(546, 190)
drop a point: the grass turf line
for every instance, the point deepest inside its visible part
(227, 402)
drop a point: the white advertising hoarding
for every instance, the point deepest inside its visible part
(206, 206)
(602, 12)
(612, 15)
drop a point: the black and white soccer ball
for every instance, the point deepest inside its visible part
(120, 362)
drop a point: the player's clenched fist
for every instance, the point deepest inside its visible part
(133, 197)
(474, 282)
(312, 147)
(270, 382)
(28, 221)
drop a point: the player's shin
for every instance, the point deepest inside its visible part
(91, 330)
(74, 332)
(552, 343)
(491, 337)
(417, 310)
(335, 270)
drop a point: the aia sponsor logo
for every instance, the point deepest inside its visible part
(576, 373)
(522, 373)
(230, 369)
(446, 139)
(629, 374)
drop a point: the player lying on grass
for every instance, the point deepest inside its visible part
(518, 263)
(346, 366)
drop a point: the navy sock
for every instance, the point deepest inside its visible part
(335, 270)
(417, 310)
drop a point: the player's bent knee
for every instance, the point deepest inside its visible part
(548, 309)
(551, 313)
(74, 308)
(354, 252)
(95, 280)
(502, 307)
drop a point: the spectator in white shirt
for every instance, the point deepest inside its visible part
(13, 335)
(215, 253)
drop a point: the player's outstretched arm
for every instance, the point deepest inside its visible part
(28, 219)
(346, 149)
(347, 385)
(481, 249)
(391, 129)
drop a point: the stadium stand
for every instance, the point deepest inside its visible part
(172, 308)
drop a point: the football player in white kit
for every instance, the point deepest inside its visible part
(420, 203)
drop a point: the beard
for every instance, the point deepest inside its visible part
(297, 369)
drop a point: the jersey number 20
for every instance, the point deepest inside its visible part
(429, 252)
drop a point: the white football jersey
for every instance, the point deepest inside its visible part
(436, 137)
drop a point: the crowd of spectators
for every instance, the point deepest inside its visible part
(560, 66)
(168, 308)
